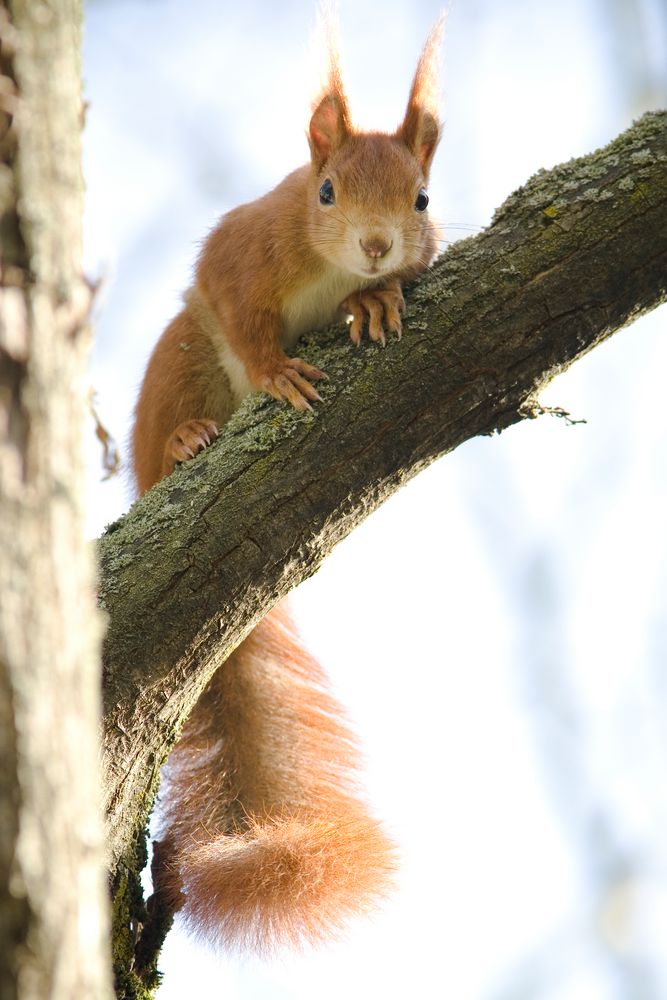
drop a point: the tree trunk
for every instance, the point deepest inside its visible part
(53, 912)
(571, 257)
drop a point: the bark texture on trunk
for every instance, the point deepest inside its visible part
(53, 907)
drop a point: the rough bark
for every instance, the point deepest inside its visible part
(571, 257)
(53, 911)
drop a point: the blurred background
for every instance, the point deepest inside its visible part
(498, 630)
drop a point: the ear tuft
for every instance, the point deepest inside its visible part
(330, 123)
(421, 128)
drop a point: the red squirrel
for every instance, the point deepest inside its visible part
(269, 841)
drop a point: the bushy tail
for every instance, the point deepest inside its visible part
(271, 842)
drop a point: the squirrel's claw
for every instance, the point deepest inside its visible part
(380, 307)
(189, 438)
(289, 382)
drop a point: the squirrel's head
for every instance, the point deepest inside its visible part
(368, 212)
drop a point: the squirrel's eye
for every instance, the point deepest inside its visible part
(422, 201)
(327, 196)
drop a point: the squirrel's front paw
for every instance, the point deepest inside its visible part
(287, 380)
(186, 441)
(382, 307)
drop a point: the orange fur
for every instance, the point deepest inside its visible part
(273, 845)
(420, 128)
(268, 839)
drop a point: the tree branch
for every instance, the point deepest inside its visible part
(574, 255)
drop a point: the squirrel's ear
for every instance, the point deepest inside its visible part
(421, 129)
(329, 126)
(330, 123)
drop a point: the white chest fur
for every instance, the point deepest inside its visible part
(313, 306)
(316, 304)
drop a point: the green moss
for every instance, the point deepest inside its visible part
(128, 916)
(133, 925)
(639, 192)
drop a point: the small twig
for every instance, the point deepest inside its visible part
(557, 411)
(110, 453)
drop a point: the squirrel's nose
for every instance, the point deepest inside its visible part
(376, 246)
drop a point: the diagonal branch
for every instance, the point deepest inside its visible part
(574, 255)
